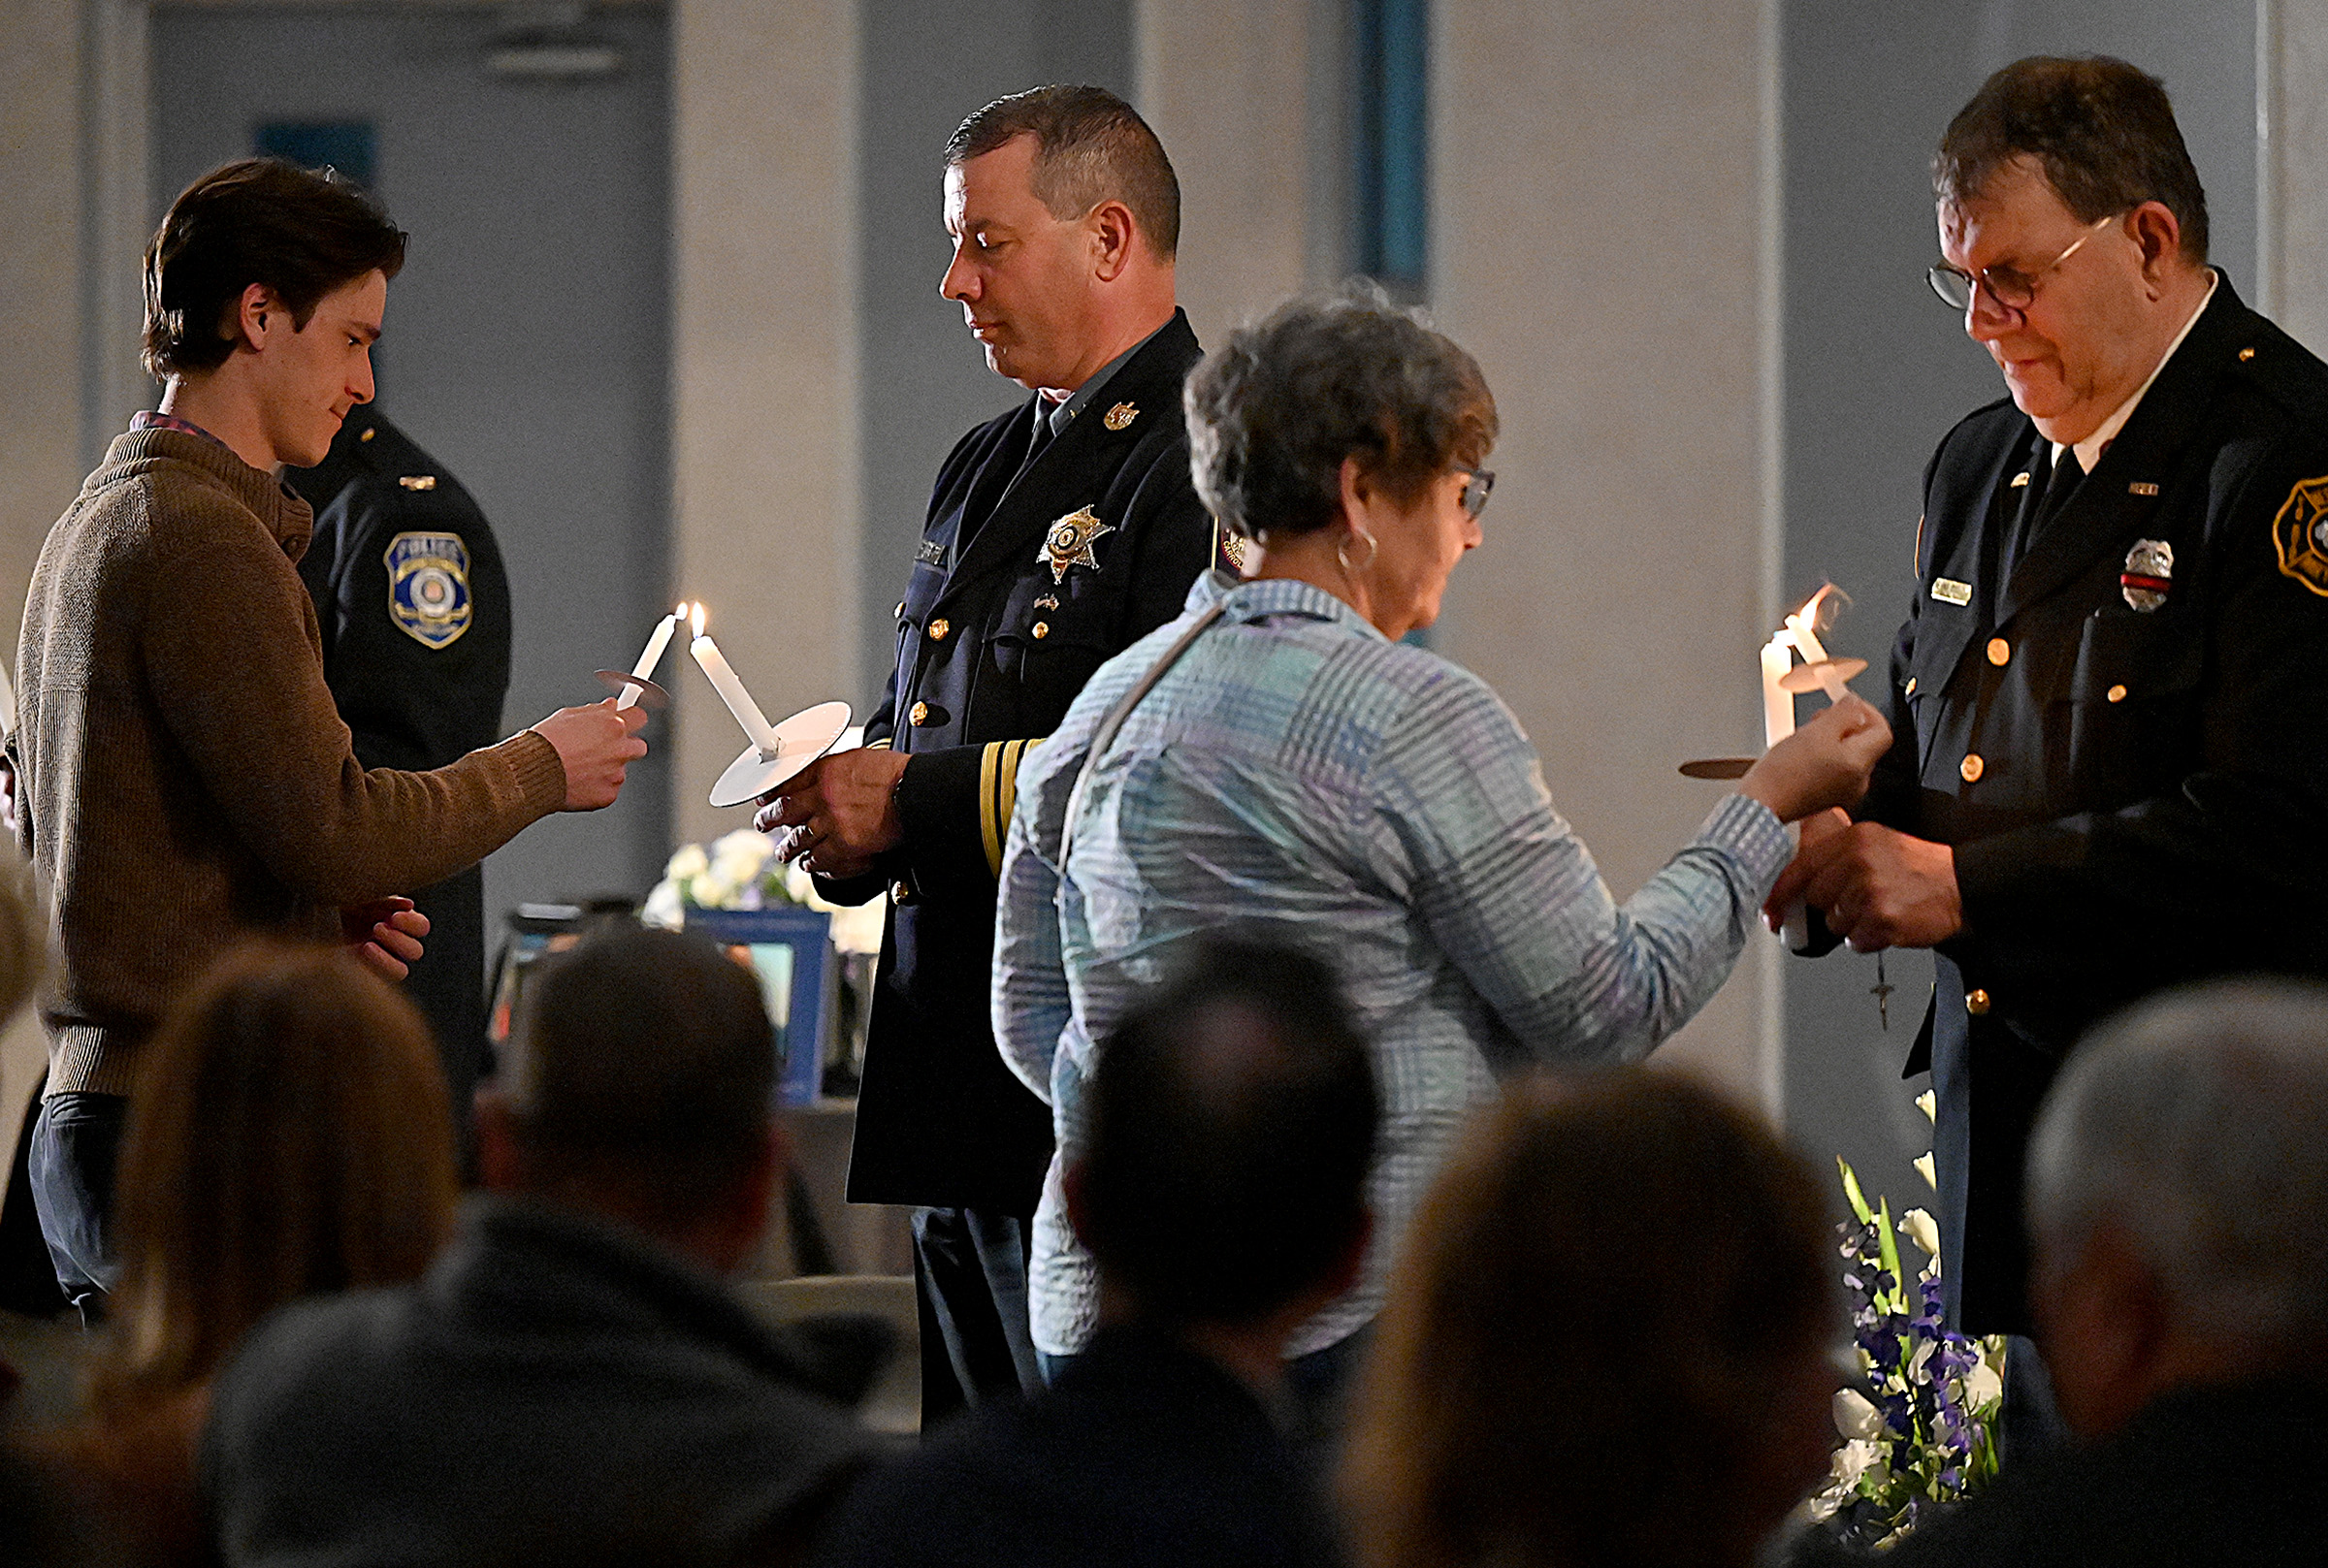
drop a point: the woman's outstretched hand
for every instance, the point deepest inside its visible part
(1825, 763)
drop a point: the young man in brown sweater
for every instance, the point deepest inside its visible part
(186, 778)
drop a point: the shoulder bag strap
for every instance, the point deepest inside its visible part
(1104, 735)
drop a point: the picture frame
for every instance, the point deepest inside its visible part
(788, 950)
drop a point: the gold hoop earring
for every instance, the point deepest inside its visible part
(1374, 548)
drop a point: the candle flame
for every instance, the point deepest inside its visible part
(1822, 609)
(679, 611)
(698, 620)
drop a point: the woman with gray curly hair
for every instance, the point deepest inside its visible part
(1277, 759)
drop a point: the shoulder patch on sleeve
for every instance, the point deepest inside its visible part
(428, 588)
(2300, 535)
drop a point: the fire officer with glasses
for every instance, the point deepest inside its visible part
(2111, 695)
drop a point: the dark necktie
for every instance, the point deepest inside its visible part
(2048, 491)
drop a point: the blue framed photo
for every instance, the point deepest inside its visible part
(789, 950)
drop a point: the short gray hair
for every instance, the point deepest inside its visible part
(1273, 411)
(2197, 1124)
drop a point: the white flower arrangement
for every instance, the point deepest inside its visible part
(1929, 1438)
(739, 872)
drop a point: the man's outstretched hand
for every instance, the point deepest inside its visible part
(1878, 888)
(594, 743)
(840, 811)
(385, 935)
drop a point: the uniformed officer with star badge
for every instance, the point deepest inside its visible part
(1057, 535)
(415, 608)
(2111, 695)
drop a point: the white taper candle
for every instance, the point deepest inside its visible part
(651, 656)
(732, 690)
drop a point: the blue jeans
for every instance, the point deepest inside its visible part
(71, 1161)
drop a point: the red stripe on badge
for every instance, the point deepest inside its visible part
(2148, 584)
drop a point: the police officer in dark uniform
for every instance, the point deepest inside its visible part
(415, 606)
(2111, 695)
(1057, 535)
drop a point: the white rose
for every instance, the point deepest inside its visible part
(713, 891)
(1856, 1417)
(663, 906)
(857, 930)
(1922, 1229)
(1982, 1387)
(688, 862)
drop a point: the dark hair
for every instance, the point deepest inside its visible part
(647, 1058)
(1275, 410)
(1605, 1295)
(1232, 1127)
(301, 232)
(289, 1135)
(1090, 146)
(2102, 130)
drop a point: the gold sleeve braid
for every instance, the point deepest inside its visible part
(998, 793)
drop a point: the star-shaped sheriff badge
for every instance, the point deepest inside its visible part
(1069, 542)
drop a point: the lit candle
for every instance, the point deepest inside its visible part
(1806, 638)
(732, 690)
(1778, 703)
(652, 656)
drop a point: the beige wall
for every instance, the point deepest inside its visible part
(40, 286)
(1227, 87)
(2291, 61)
(764, 521)
(1598, 188)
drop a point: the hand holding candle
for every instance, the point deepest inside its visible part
(732, 690)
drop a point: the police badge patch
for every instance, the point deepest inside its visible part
(2301, 535)
(427, 586)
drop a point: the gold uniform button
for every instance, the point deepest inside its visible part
(938, 630)
(2116, 694)
(1976, 1003)
(899, 893)
(1909, 689)
(2246, 354)
(2000, 652)
(919, 714)
(1970, 769)
(1042, 629)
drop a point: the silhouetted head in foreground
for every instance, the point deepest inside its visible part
(637, 1086)
(2178, 1200)
(1232, 1127)
(1606, 1342)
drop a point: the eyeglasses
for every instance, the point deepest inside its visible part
(2009, 287)
(1476, 483)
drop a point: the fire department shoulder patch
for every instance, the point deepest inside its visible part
(2301, 535)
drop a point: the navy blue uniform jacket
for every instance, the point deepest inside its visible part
(421, 698)
(1004, 619)
(2137, 795)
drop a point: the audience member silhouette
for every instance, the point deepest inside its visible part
(572, 1383)
(1222, 1195)
(1606, 1343)
(2179, 1208)
(288, 1137)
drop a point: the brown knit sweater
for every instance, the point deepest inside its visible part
(186, 778)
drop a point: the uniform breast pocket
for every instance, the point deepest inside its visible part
(1049, 640)
(2130, 703)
